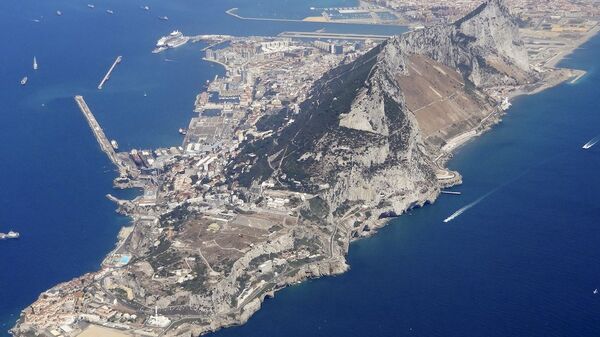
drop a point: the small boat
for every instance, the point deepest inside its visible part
(91, 6)
(596, 291)
(109, 11)
(114, 144)
(591, 143)
(146, 8)
(164, 18)
(35, 64)
(145, 94)
(59, 13)
(182, 131)
(24, 80)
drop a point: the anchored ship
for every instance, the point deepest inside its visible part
(10, 235)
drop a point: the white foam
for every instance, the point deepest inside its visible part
(591, 143)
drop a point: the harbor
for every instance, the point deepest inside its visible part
(107, 76)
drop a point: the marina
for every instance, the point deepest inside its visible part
(107, 76)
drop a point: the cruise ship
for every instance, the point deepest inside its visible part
(173, 40)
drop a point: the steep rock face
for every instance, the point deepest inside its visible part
(360, 132)
(485, 46)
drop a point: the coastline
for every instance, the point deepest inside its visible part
(559, 76)
(338, 266)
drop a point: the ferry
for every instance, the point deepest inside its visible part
(10, 235)
(59, 13)
(24, 80)
(35, 64)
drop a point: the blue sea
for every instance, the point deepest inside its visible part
(524, 261)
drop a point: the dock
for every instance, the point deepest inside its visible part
(107, 76)
(100, 136)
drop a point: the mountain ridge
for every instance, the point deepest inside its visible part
(366, 133)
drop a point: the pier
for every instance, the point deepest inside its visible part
(107, 76)
(100, 136)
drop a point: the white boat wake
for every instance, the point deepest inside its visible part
(480, 199)
(465, 208)
(591, 143)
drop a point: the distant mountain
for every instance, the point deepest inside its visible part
(369, 128)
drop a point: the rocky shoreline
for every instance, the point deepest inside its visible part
(382, 172)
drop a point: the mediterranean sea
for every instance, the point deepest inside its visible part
(521, 262)
(53, 176)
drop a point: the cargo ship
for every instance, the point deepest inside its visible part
(10, 235)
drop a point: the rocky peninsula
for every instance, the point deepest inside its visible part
(253, 201)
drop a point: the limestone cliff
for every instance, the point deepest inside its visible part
(366, 133)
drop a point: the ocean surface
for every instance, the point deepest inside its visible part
(523, 261)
